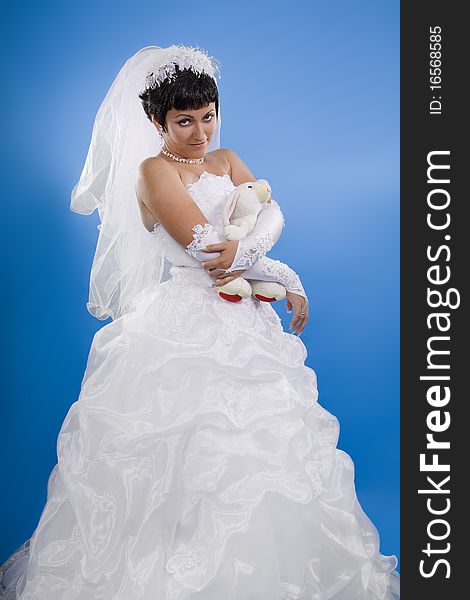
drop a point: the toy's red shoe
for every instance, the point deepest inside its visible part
(267, 291)
(235, 291)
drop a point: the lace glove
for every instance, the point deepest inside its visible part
(203, 236)
(268, 269)
(266, 232)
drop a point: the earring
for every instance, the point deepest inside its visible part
(160, 132)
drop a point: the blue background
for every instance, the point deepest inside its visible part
(310, 101)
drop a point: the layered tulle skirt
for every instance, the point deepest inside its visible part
(197, 464)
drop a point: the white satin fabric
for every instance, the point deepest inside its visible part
(197, 464)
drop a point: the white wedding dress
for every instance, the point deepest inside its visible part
(197, 464)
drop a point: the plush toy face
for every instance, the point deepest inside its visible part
(246, 200)
(261, 188)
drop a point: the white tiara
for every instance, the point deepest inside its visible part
(183, 57)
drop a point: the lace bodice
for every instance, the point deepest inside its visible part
(210, 193)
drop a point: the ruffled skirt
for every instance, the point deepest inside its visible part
(197, 464)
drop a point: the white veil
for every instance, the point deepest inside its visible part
(128, 258)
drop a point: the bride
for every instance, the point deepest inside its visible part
(196, 462)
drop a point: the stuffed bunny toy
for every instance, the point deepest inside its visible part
(239, 218)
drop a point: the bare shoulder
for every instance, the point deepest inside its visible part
(218, 161)
(239, 171)
(156, 179)
(225, 154)
(155, 167)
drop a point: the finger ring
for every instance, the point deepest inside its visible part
(303, 313)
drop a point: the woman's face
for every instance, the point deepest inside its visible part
(189, 132)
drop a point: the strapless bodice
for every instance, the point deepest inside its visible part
(210, 193)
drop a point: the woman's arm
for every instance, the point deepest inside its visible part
(268, 269)
(265, 234)
(240, 173)
(268, 227)
(271, 219)
(161, 190)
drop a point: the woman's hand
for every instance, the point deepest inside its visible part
(216, 267)
(300, 305)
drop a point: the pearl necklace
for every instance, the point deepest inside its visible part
(191, 161)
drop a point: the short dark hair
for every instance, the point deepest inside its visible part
(186, 90)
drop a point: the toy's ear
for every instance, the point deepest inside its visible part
(230, 206)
